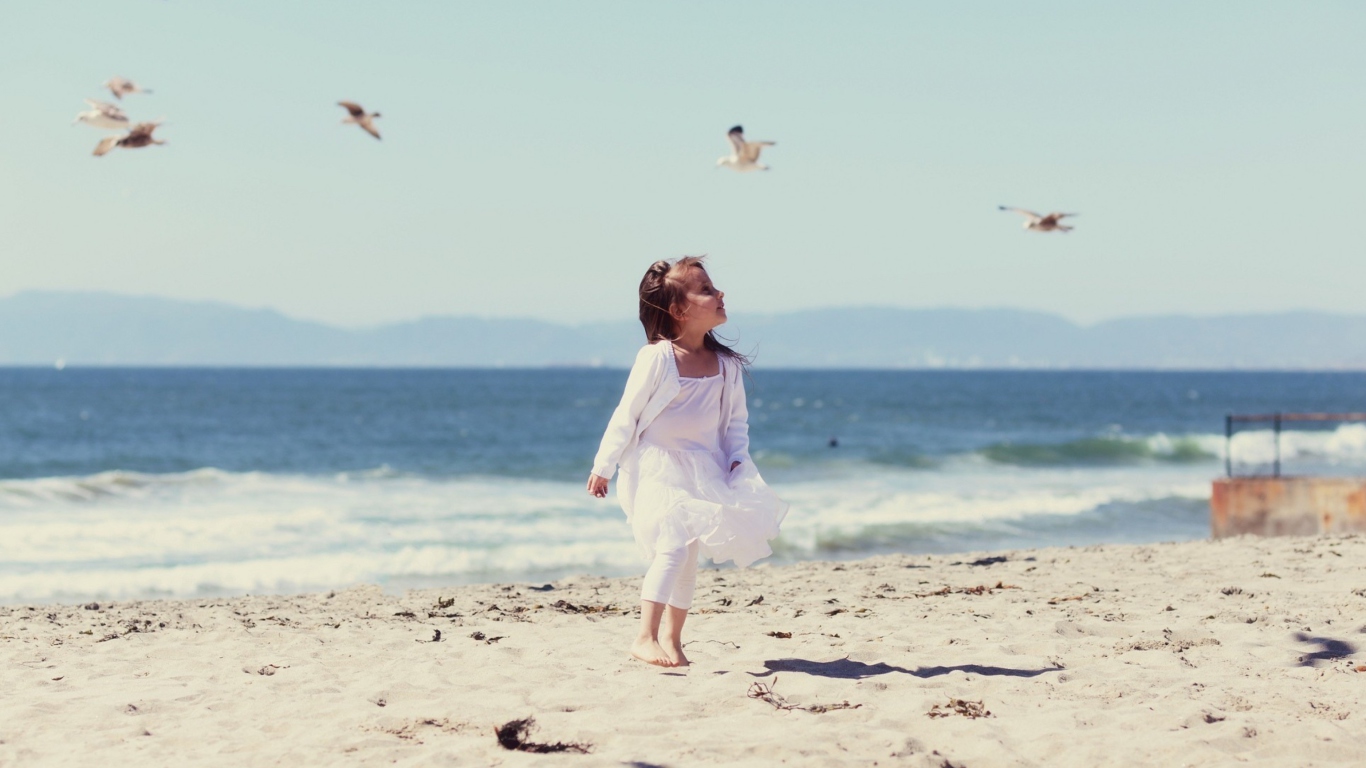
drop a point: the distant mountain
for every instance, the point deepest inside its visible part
(39, 328)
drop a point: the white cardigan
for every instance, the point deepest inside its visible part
(652, 385)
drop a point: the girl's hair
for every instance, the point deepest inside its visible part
(661, 291)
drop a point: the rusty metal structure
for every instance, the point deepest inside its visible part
(1276, 420)
(1274, 505)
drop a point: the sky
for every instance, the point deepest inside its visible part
(537, 156)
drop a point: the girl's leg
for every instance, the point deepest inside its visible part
(680, 600)
(647, 647)
(660, 579)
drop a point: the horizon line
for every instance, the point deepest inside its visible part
(61, 366)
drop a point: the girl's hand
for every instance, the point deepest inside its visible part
(733, 465)
(597, 485)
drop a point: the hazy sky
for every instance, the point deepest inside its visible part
(537, 156)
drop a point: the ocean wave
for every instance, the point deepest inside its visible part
(122, 535)
(104, 485)
(904, 459)
(827, 517)
(210, 532)
(166, 520)
(1102, 450)
(1343, 445)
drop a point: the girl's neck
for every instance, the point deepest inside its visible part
(691, 341)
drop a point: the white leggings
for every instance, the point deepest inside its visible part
(671, 578)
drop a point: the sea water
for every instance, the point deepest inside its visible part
(123, 483)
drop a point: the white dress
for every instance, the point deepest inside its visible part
(685, 489)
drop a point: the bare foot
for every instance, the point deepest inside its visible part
(650, 652)
(674, 652)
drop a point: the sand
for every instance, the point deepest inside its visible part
(1203, 653)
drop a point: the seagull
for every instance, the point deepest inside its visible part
(745, 155)
(119, 86)
(1040, 223)
(358, 116)
(139, 136)
(104, 115)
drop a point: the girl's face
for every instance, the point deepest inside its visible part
(706, 306)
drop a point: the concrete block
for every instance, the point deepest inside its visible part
(1287, 506)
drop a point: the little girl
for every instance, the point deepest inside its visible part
(681, 438)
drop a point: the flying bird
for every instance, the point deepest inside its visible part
(1041, 223)
(104, 115)
(120, 86)
(357, 115)
(139, 136)
(745, 154)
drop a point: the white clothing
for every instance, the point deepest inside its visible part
(677, 486)
(672, 577)
(692, 421)
(652, 385)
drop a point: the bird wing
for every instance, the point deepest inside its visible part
(369, 126)
(752, 150)
(1020, 211)
(737, 139)
(107, 109)
(352, 107)
(106, 144)
(1056, 216)
(143, 129)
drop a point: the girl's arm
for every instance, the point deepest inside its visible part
(736, 440)
(621, 427)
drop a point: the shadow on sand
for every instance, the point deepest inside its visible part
(1329, 649)
(848, 669)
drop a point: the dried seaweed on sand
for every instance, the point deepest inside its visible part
(513, 735)
(969, 709)
(564, 606)
(764, 692)
(980, 589)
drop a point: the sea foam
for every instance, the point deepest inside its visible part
(207, 532)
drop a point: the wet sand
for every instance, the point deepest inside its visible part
(1203, 653)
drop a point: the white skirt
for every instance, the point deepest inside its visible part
(686, 496)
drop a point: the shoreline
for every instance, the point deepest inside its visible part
(1204, 652)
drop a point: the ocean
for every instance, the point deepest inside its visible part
(136, 483)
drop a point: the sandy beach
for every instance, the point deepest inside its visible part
(1204, 653)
